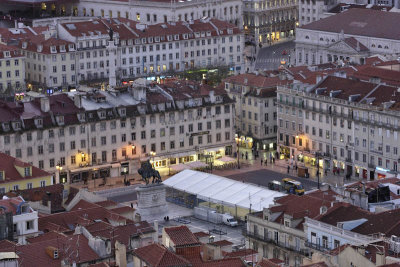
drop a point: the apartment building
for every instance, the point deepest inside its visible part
(154, 12)
(149, 50)
(96, 134)
(342, 124)
(24, 222)
(277, 231)
(255, 101)
(17, 175)
(269, 21)
(12, 70)
(340, 38)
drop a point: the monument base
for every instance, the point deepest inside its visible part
(151, 199)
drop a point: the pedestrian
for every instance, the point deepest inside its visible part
(273, 160)
(242, 155)
(131, 205)
(288, 168)
(296, 166)
(261, 161)
(247, 155)
(334, 171)
(266, 162)
(270, 157)
(326, 172)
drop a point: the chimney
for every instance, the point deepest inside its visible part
(245, 81)
(380, 258)
(155, 236)
(15, 24)
(361, 250)
(78, 100)
(52, 252)
(45, 104)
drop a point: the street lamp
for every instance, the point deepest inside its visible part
(317, 158)
(153, 154)
(238, 157)
(59, 169)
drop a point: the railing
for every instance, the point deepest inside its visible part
(318, 247)
(302, 251)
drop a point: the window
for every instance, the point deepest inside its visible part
(42, 183)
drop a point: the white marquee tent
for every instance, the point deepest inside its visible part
(209, 187)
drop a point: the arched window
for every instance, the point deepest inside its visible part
(379, 46)
(307, 37)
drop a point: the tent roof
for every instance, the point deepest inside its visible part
(210, 187)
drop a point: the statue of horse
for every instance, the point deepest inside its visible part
(147, 171)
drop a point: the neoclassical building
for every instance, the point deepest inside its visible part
(269, 21)
(95, 134)
(350, 36)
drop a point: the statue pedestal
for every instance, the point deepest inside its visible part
(151, 199)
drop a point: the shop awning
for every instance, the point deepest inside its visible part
(226, 159)
(95, 167)
(214, 149)
(219, 189)
(179, 167)
(196, 164)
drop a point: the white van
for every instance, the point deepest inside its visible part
(229, 220)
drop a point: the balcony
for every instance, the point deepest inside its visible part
(302, 251)
(318, 247)
(349, 160)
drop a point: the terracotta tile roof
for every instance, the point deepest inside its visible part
(355, 44)
(107, 203)
(201, 234)
(156, 255)
(361, 22)
(299, 207)
(84, 204)
(229, 262)
(257, 81)
(270, 263)
(100, 264)
(328, 195)
(318, 264)
(40, 44)
(387, 222)
(14, 51)
(12, 205)
(221, 243)
(123, 209)
(7, 244)
(46, 236)
(181, 236)
(67, 221)
(75, 247)
(240, 253)
(390, 77)
(8, 163)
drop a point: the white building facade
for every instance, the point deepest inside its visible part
(339, 38)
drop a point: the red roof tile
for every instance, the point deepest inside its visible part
(221, 243)
(156, 255)
(318, 264)
(8, 163)
(75, 248)
(361, 22)
(240, 253)
(181, 236)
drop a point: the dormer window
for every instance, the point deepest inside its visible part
(81, 116)
(1, 175)
(102, 114)
(60, 120)
(143, 40)
(24, 45)
(150, 39)
(53, 49)
(62, 48)
(230, 31)
(169, 38)
(17, 126)
(287, 222)
(40, 48)
(185, 36)
(122, 112)
(176, 37)
(39, 123)
(6, 54)
(71, 47)
(157, 39)
(27, 171)
(6, 127)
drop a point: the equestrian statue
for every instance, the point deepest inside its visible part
(146, 171)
